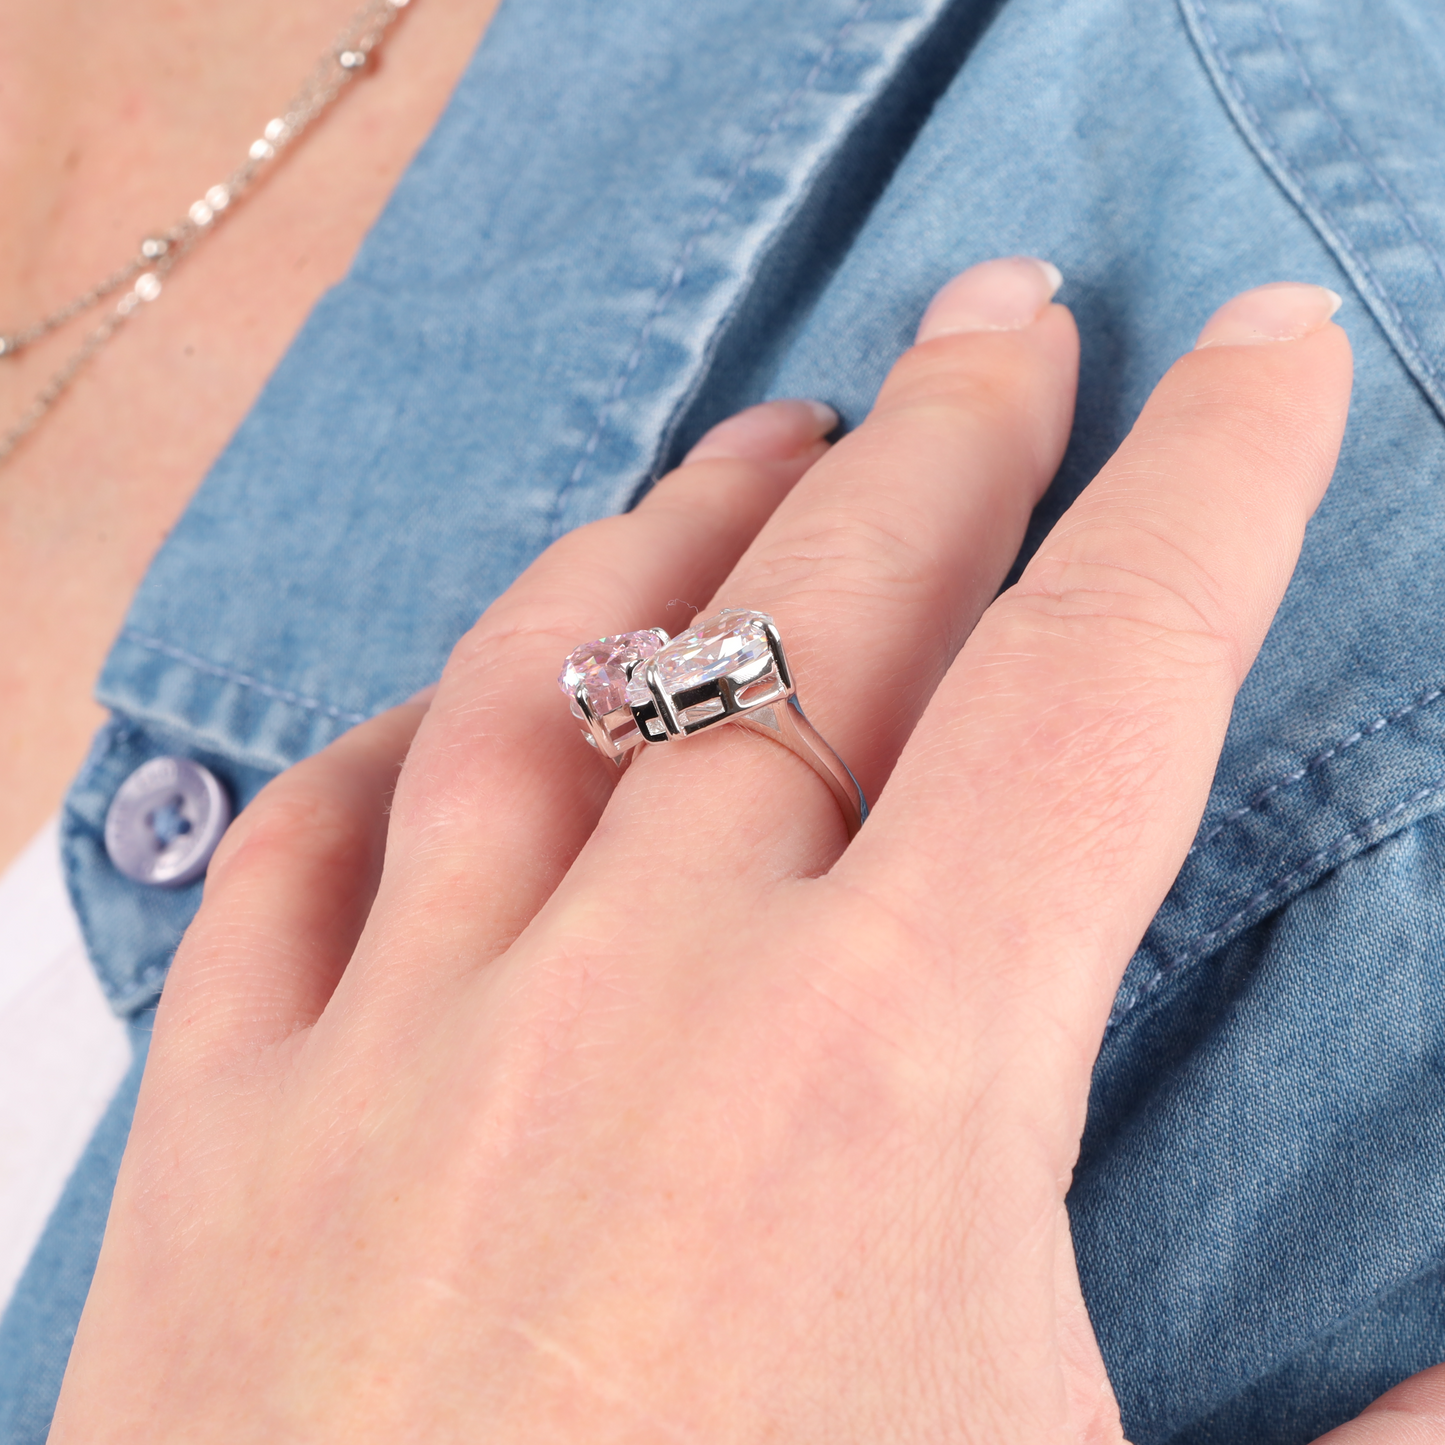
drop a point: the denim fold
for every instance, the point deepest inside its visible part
(630, 222)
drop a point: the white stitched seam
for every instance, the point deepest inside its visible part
(684, 259)
(1270, 893)
(241, 679)
(1201, 943)
(1315, 94)
(1370, 729)
(1277, 151)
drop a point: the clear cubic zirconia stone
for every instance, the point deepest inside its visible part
(708, 650)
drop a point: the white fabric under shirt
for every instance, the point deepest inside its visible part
(63, 1052)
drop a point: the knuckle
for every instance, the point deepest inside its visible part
(982, 373)
(860, 550)
(1258, 420)
(703, 482)
(990, 390)
(291, 819)
(498, 647)
(1163, 607)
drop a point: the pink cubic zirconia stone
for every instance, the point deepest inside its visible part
(600, 669)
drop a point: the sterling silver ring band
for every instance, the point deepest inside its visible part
(642, 689)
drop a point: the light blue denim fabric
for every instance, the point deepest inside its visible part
(633, 219)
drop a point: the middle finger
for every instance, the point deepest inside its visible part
(876, 568)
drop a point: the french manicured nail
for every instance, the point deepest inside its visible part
(1003, 295)
(1283, 311)
(770, 432)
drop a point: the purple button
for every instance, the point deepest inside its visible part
(165, 821)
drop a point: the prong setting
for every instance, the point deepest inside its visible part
(760, 680)
(596, 676)
(731, 667)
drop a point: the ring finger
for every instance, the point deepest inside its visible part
(876, 568)
(499, 785)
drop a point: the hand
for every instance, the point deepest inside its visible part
(546, 1110)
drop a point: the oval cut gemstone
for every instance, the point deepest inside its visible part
(600, 668)
(708, 650)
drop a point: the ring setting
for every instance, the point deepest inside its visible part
(596, 676)
(721, 668)
(640, 689)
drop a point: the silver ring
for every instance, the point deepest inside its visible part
(644, 688)
(595, 678)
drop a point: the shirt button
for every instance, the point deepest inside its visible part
(165, 821)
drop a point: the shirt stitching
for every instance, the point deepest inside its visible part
(1315, 94)
(1369, 730)
(1277, 151)
(241, 679)
(1203, 942)
(684, 259)
(1273, 891)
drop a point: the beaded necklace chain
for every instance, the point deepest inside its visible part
(140, 278)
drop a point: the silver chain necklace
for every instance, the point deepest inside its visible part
(159, 253)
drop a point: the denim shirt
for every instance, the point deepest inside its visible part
(633, 219)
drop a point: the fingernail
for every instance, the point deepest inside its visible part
(1283, 311)
(770, 432)
(1003, 295)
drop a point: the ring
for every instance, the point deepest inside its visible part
(644, 688)
(595, 678)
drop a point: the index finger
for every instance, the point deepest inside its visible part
(1049, 795)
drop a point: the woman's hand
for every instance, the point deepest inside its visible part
(540, 1109)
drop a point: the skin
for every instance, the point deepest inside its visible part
(113, 118)
(493, 1098)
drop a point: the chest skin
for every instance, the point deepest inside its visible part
(111, 122)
